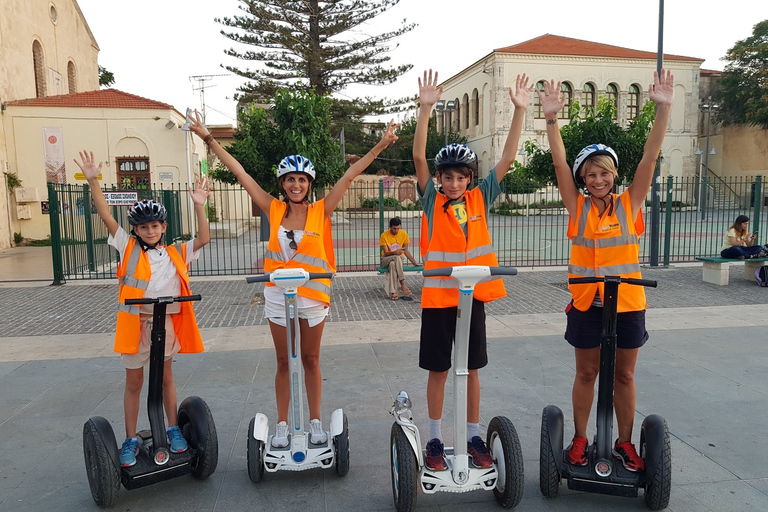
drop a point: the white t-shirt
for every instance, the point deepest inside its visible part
(164, 281)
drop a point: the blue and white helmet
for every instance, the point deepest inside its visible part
(455, 155)
(145, 211)
(588, 152)
(295, 163)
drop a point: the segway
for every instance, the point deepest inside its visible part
(409, 472)
(300, 454)
(154, 462)
(603, 474)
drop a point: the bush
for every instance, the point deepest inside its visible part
(373, 202)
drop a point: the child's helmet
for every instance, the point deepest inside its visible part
(295, 163)
(146, 210)
(588, 152)
(455, 155)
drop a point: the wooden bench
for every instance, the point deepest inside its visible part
(715, 269)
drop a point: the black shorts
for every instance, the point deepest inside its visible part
(585, 328)
(438, 328)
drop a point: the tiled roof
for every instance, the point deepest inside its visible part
(710, 72)
(103, 98)
(549, 44)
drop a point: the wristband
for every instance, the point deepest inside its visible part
(208, 139)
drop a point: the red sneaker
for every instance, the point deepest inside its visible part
(628, 455)
(477, 449)
(577, 453)
(435, 456)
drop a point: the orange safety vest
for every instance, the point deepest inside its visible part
(313, 254)
(133, 273)
(606, 246)
(449, 247)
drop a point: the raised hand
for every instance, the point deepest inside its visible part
(662, 90)
(89, 165)
(521, 95)
(428, 91)
(197, 127)
(389, 136)
(199, 194)
(552, 101)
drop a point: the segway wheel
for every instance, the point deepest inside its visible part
(549, 476)
(508, 456)
(103, 474)
(196, 423)
(255, 455)
(405, 470)
(341, 450)
(657, 454)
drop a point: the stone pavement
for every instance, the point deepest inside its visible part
(703, 369)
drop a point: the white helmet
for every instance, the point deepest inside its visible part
(588, 152)
(295, 163)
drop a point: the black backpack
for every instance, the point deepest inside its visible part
(761, 274)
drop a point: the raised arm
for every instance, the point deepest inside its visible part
(262, 198)
(333, 198)
(91, 172)
(428, 96)
(551, 103)
(662, 93)
(199, 196)
(520, 97)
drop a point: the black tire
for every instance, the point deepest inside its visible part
(255, 455)
(657, 453)
(549, 476)
(509, 463)
(196, 423)
(341, 450)
(405, 470)
(103, 474)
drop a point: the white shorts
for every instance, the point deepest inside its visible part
(314, 314)
(141, 358)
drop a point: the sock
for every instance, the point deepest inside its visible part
(473, 429)
(434, 429)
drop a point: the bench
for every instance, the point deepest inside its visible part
(715, 269)
(406, 268)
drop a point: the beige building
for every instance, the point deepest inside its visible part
(588, 72)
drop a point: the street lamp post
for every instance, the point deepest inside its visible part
(698, 153)
(445, 107)
(708, 107)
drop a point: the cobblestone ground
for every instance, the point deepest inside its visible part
(90, 308)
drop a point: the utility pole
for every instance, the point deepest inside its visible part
(201, 86)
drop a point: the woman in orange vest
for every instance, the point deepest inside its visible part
(604, 229)
(458, 234)
(299, 237)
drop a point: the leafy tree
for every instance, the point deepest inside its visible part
(742, 90)
(312, 44)
(598, 126)
(519, 181)
(106, 78)
(296, 123)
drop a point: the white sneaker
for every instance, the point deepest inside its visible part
(280, 439)
(317, 434)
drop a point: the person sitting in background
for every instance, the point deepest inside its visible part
(394, 247)
(739, 243)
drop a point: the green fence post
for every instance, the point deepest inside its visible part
(668, 222)
(758, 206)
(88, 228)
(53, 212)
(381, 205)
(172, 217)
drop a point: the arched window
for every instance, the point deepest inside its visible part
(38, 60)
(566, 91)
(588, 96)
(476, 101)
(71, 77)
(633, 102)
(612, 91)
(456, 121)
(465, 110)
(538, 112)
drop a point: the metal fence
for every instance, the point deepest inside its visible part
(528, 229)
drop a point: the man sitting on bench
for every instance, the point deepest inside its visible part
(394, 247)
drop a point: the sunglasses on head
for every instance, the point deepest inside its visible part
(292, 245)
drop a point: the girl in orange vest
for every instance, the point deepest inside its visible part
(604, 229)
(148, 268)
(458, 235)
(299, 237)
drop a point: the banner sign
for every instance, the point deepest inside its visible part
(121, 198)
(55, 170)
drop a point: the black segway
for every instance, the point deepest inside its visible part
(154, 462)
(603, 474)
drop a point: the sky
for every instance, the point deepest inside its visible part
(154, 47)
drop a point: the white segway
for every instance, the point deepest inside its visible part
(505, 476)
(300, 454)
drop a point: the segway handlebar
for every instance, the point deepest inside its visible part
(447, 271)
(628, 280)
(160, 300)
(265, 278)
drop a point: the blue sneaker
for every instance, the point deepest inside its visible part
(176, 440)
(128, 452)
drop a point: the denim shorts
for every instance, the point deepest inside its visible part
(585, 328)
